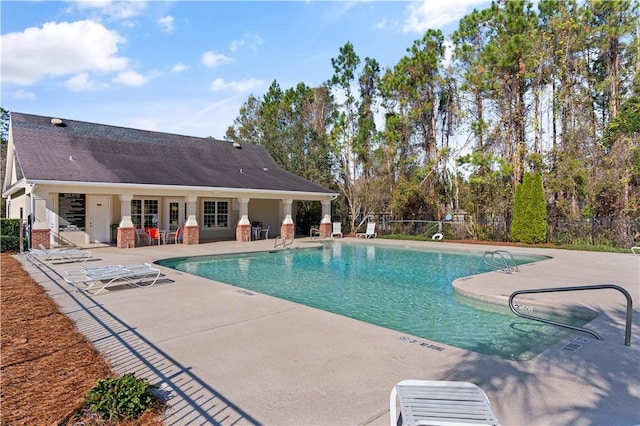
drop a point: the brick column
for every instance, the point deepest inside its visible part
(243, 233)
(287, 230)
(191, 235)
(40, 236)
(126, 237)
(325, 230)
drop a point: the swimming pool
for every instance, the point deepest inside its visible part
(404, 289)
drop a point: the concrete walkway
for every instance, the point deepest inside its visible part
(224, 355)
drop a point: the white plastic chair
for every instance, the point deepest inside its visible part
(141, 235)
(337, 229)
(176, 236)
(429, 402)
(371, 231)
(264, 232)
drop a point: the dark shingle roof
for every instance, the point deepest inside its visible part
(89, 152)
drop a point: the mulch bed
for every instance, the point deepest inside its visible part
(47, 366)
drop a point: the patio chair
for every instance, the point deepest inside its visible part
(141, 235)
(428, 402)
(107, 275)
(61, 254)
(371, 231)
(264, 232)
(337, 229)
(635, 250)
(174, 235)
(154, 235)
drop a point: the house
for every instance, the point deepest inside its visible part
(80, 181)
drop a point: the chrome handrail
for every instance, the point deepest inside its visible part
(504, 264)
(283, 242)
(627, 336)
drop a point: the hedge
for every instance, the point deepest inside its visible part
(10, 235)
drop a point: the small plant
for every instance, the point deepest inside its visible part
(121, 398)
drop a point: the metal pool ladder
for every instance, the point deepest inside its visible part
(627, 334)
(282, 241)
(501, 259)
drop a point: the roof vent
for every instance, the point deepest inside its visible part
(57, 122)
(237, 145)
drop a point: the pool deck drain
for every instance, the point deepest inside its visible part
(229, 359)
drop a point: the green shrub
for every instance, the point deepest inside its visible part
(11, 244)
(10, 235)
(121, 398)
(529, 223)
(10, 227)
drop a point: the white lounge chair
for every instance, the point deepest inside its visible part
(106, 275)
(337, 229)
(371, 231)
(428, 402)
(61, 254)
(633, 250)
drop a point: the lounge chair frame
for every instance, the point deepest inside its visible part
(61, 254)
(93, 277)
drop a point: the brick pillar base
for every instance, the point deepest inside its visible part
(126, 238)
(287, 230)
(325, 230)
(40, 236)
(243, 233)
(191, 235)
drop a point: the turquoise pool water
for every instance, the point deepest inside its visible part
(404, 289)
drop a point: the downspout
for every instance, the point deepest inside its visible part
(32, 212)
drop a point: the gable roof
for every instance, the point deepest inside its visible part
(77, 151)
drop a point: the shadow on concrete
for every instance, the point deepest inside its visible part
(550, 388)
(191, 400)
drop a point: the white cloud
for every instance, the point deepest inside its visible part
(382, 24)
(113, 9)
(131, 78)
(166, 23)
(82, 83)
(146, 123)
(179, 67)
(212, 59)
(250, 40)
(23, 95)
(241, 86)
(59, 49)
(435, 14)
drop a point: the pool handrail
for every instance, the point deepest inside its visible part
(282, 241)
(627, 335)
(502, 263)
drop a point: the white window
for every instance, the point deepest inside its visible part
(215, 214)
(144, 213)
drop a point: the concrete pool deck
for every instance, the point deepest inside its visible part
(224, 355)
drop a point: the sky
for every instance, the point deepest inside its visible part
(186, 67)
